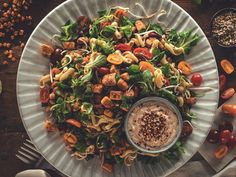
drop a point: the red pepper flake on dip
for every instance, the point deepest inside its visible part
(152, 125)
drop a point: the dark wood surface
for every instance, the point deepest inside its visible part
(12, 132)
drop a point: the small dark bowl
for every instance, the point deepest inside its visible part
(211, 24)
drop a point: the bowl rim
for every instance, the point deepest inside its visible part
(217, 13)
(161, 101)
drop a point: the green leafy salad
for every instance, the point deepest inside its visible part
(100, 68)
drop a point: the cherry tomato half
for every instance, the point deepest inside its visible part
(228, 93)
(225, 136)
(185, 67)
(187, 129)
(120, 13)
(104, 24)
(229, 109)
(232, 141)
(227, 66)
(213, 136)
(44, 94)
(167, 82)
(123, 47)
(221, 151)
(143, 52)
(222, 80)
(226, 125)
(196, 79)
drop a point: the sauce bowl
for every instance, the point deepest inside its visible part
(162, 102)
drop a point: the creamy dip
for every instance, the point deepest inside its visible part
(152, 125)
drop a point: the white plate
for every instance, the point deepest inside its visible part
(33, 65)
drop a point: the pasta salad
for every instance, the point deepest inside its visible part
(100, 68)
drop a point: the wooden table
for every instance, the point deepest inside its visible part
(12, 132)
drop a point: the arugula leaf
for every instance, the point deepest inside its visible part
(80, 146)
(173, 81)
(133, 69)
(127, 30)
(158, 57)
(94, 30)
(107, 49)
(133, 78)
(189, 116)
(102, 141)
(104, 47)
(126, 21)
(175, 151)
(62, 86)
(87, 94)
(173, 37)
(148, 79)
(191, 43)
(78, 82)
(99, 61)
(68, 31)
(88, 107)
(183, 39)
(157, 28)
(125, 105)
(102, 12)
(166, 69)
(168, 95)
(108, 31)
(156, 51)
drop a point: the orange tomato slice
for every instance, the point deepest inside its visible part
(74, 122)
(227, 66)
(70, 139)
(229, 109)
(143, 65)
(115, 59)
(221, 151)
(185, 67)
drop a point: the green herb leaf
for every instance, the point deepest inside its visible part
(108, 31)
(156, 51)
(88, 107)
(68, 31)
(102, 12)
(168, 95)
(80, 146)
(158, 57)
(94, 30)
(127, 30)
(148, 79)
(126, 21)
(102, 141)
(99, 61)
(133, 78)
(157, 28)
(133, 69)
(62, 86)
(166, 69)
(183, 39)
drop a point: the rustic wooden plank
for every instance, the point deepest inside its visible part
(9, 163)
